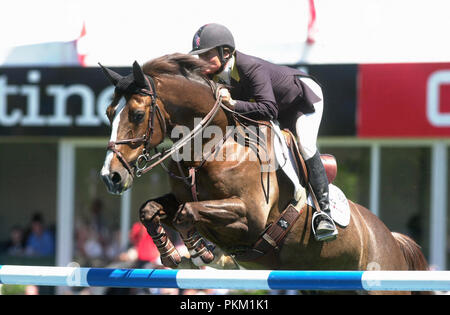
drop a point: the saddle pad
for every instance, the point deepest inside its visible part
(284, 158)
(339, 206)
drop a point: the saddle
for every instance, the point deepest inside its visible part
(328, 160)
(271, 239)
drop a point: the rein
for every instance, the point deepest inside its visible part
(145, 163)
(162, 156)
(142, 163)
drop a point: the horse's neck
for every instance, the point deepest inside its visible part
(187, 103)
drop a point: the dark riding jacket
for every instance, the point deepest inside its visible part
(265, 91)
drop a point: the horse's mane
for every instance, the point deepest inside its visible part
(183, 64)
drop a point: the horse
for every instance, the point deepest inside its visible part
(223, 209)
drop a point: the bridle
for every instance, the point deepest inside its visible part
(146, 163)
(146, 138)
(142, 163)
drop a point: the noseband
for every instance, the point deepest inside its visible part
(146, 138)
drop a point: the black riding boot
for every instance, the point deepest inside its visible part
(325, 229)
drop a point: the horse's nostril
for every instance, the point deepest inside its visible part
(116, 178)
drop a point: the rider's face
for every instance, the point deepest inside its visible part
(212, 58)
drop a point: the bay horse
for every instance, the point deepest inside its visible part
(223, 208)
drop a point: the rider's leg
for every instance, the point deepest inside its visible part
(307, 128)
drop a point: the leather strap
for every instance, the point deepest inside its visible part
(192, 171)
(274, 236)
(294, 147)
(146, 138)
(271, 240)
(112, 147)
(180, 143)
(300, 162)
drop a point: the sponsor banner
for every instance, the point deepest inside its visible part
(404, 100)
(71, 101)
(54, 101)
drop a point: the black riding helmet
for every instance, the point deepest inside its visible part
(211, 36)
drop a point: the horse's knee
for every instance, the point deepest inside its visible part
(185, 218)
(184, 222)
(149, 214)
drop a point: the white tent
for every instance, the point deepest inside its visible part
(119, 32)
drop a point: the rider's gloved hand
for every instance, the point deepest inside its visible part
(226, 98)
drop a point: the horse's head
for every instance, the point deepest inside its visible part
(137, 126)
(138, 116)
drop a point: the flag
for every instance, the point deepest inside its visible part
(82, 46)
(310, 38)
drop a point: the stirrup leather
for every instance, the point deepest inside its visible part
(323, 237)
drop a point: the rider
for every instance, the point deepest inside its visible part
(265, 91)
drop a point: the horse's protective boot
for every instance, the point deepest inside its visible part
(323, 226)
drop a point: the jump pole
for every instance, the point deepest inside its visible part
(227, 279)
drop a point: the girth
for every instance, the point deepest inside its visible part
(268, 245)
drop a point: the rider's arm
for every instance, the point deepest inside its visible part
(264, 106)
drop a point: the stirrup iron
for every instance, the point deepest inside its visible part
(323, 237)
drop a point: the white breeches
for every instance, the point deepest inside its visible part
(307, 125)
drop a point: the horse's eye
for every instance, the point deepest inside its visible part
(138, 116)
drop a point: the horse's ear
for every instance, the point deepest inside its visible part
(139, 76)
(114, 77)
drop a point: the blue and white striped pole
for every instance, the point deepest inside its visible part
(227, 279)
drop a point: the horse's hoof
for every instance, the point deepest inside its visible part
(171, 260)
(205, 256)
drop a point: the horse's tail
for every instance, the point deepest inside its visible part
(412, 252)
(413, 255)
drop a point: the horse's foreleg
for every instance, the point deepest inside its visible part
(150, 215)
(223, 216)
(196, 245)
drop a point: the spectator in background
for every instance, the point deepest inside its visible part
(143, 243)
(93, 249)
(40, 242)
(15, 245)
(142, 253)
(92, 236)
(114, 247)
(97, 222)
